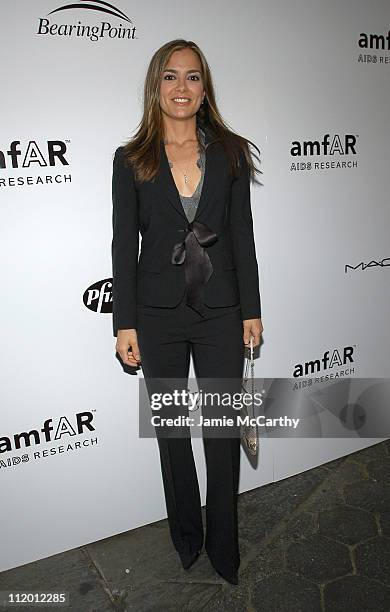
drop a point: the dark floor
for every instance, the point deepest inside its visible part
(316, 541)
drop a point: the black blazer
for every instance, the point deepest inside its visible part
(223, 224)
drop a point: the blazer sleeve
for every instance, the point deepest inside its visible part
(125, 245)
(243, 243)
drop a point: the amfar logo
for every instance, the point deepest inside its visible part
(31, 155)
(98, 297)
(370, 264)
(24, 439)
(374, 41)
(104, 30)
(325, 362)
(343, 145)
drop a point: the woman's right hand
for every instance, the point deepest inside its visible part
(127, 346)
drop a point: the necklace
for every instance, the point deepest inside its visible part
(185, 174)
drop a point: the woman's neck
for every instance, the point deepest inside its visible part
(180, 132)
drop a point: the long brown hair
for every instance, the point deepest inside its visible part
(143, 149)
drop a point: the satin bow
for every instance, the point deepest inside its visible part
(198, 267)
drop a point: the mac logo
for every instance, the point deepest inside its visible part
(384, 263)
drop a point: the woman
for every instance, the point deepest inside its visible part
(183, 182)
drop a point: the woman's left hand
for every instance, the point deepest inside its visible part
(252, 327)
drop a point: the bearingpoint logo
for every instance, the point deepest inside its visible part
(93, 32)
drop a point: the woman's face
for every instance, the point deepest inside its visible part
(182, 78)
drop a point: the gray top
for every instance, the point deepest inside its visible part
(190, 203)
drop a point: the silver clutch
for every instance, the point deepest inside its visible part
(249, 433)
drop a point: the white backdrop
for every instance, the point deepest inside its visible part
(284, 73)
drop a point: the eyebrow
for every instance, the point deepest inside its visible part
(173, 70)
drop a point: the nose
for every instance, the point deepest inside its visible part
(181, 84)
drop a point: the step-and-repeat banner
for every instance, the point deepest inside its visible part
(308, 82)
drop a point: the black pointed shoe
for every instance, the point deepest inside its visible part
(188, 561)
(230, 579)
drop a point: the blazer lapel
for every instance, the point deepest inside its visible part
(168, 184)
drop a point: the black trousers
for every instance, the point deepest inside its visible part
(167, 337)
